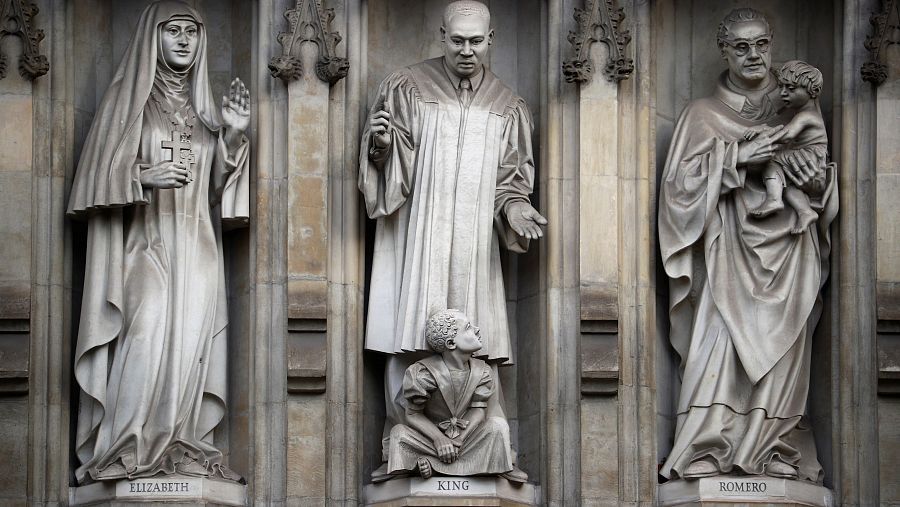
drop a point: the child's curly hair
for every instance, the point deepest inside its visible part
(441, 327)
(802, 74)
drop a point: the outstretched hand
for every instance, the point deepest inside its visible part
(236, 110)
(525, 220)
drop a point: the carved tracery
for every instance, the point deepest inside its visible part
(600, 20)
(309, 22)
(886, 31)
(15, 19)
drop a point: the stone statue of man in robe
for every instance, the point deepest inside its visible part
(744, 291)
(162, 168)
(446, 168)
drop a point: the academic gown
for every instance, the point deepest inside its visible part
(439, 194)
(744, 296)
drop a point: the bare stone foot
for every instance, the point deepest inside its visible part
(424, 468)
(804, 220)
(701, 468)
(768, 207)
(778, 468)
(515, 475)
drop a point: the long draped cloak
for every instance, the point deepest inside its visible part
(744, 296)
(439, 194)
(445, 396)
(151, 353)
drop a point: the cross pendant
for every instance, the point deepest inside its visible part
(180, 144)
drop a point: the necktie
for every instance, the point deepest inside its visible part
(465, 92)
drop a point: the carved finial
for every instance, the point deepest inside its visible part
(601, 20)
(885, 31)
(15, 19)
(309, 22)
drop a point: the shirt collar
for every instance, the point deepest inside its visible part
(734, 99)
(475, 80)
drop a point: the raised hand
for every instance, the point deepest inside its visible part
(525, 220)
(165, 175)
(236, 109)
(760, 149)
(379, 125)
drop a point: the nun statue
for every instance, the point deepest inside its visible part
(163, 168)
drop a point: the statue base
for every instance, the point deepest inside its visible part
(446, 491)
(731, 490)
(170, 489)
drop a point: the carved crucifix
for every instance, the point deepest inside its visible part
(180, 144)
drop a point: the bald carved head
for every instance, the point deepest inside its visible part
(466, 36)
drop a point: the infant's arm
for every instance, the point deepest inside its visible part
(808, 123)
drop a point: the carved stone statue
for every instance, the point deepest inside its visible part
(446, 169)
(800, 86)
(745, 272)
(161, 169)
(451, 410)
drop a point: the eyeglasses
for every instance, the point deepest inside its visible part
(742, 47)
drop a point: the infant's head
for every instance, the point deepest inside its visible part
(800, 83)
(449, 330)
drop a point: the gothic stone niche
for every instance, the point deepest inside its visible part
(731, 381)
(402, 64)
(189, 152)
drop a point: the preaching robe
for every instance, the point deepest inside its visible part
(744, 295)
(439, 194)
(151, 352)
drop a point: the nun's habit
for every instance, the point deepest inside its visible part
(151, 350)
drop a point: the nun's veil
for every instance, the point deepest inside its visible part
(106, 175)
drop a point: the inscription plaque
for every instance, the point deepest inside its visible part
(181, 487)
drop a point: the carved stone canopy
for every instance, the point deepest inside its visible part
(600, 20)
(15, 19)
(885, 31)
(309, 22)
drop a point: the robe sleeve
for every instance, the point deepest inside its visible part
(230, 185)
(484, 390)
(515, 176)
(418, 384)
(700, 167)
(114, 184)
(385, 175)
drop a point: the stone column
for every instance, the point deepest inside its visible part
(636, 259)
(559, 349)
(48, 124)
(854, 373)
(268, 237)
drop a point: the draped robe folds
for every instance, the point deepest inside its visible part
(439, 194)
(445, 397)
(151, 353)
(744, 297)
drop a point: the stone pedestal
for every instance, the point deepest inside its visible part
(733, 490)
(178, 490)
(446, 491)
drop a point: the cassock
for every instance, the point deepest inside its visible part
(744, 295)
(151, 352)
(439, 193)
